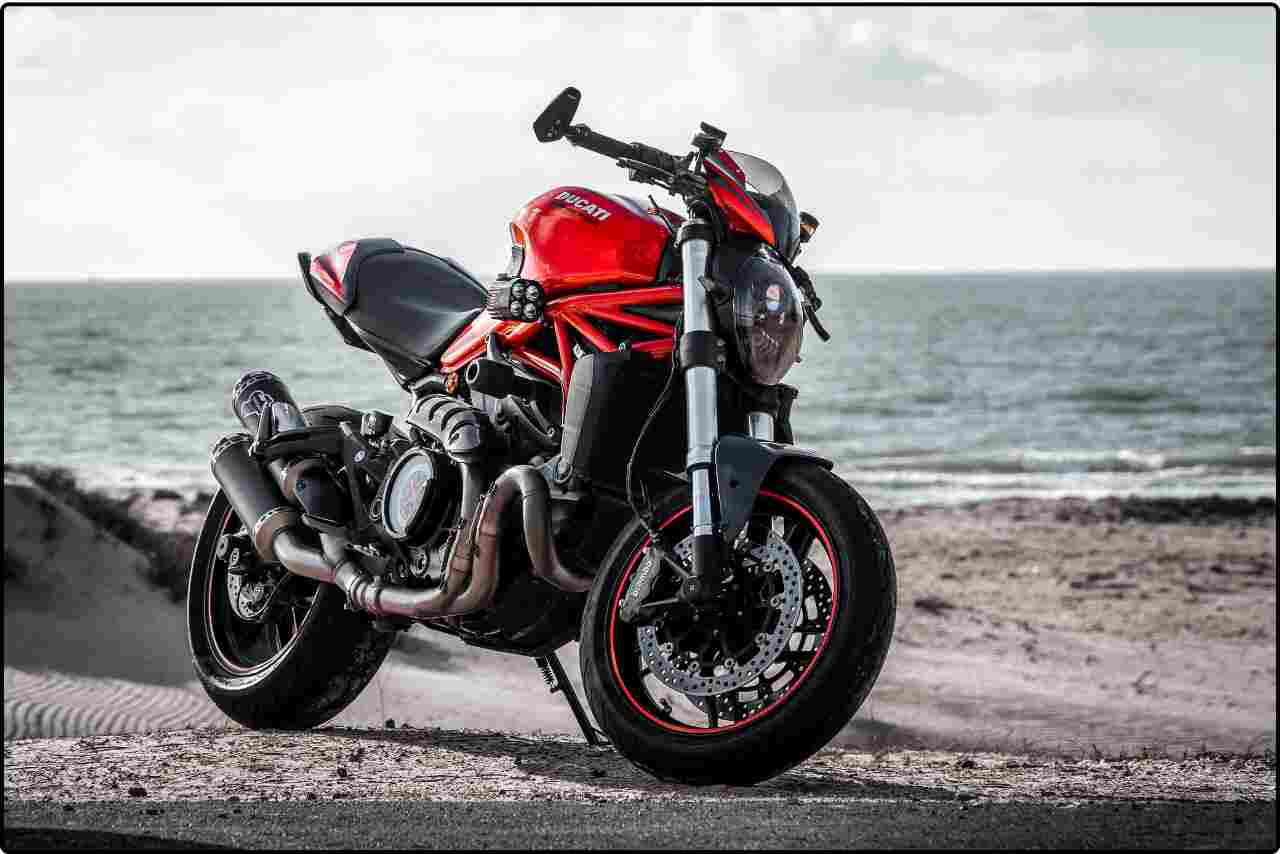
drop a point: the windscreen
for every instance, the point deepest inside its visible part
(769, 189)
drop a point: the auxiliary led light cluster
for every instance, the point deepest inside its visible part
(517, 299)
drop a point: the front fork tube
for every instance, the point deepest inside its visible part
(701, 416)
(760, 426)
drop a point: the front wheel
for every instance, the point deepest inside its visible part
(740, 691)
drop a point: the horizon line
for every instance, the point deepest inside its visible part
(234, 278)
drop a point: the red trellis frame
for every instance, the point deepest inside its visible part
(573, 312)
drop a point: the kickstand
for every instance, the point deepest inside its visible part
(556, 680)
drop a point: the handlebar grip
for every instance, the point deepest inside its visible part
(584, 137)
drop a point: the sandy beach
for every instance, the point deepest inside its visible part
(1071, 627)
(1046, 653)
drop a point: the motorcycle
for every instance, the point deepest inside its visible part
(595, 447)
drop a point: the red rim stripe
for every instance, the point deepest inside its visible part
(835, 598)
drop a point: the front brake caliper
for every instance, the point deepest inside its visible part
(641, 585)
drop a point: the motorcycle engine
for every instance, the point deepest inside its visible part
(417, 502)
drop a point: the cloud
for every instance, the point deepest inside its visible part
(136, 137)
(806, 60)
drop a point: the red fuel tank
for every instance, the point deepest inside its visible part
(573, 236)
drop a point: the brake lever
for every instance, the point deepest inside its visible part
(684, 182)
(689, 184)
(644, 173)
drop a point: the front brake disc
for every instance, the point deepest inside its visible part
(773, 556)
(817, 589)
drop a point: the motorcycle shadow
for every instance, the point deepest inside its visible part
(607, 772)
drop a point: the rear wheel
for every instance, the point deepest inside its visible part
(741, 691)
(273, 650)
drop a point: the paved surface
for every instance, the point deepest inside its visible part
(741, 824)
(461, 765)
(436, 788)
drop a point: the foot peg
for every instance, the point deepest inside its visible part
(554, 675)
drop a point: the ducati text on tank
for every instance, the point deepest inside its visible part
(583, 205)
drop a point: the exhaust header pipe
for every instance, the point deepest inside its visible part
(471, 578)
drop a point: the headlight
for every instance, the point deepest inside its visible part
(768, 317)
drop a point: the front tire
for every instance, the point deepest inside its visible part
(827, 666)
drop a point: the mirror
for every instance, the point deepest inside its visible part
(555, 119)
(808, 225)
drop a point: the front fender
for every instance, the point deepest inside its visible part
(741, 465)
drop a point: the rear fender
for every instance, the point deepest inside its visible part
(741, 465)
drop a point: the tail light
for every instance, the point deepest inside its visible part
(330, 268)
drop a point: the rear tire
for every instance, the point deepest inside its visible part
(788, 724)
(323, 657)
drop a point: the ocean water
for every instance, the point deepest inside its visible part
(935, 388)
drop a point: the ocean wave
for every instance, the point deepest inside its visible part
(836, 407)
(931, 396)
(1118, 393)
(183, 387)
(96, 332)
(1034, 460)
(108, 363)
(1129, 399)
(117, 479)
(1178, 406)
(884, 489)
(913, 475)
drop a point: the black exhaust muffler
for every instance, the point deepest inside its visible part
(267, 499)
(253, 493)
(303, 480)
(261, 391)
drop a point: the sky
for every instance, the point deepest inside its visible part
(218, 142)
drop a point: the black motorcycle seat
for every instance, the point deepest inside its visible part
(409, 299)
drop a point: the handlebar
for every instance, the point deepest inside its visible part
(584, 137)
(644, 164)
